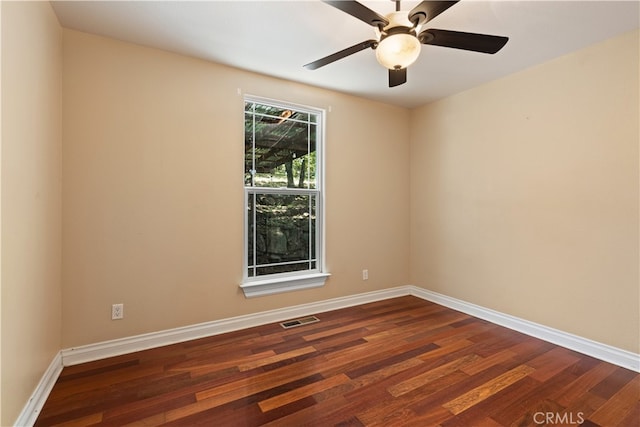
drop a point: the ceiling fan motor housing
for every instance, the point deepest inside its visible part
(398, 45)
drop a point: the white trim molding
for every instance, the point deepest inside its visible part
(31, 410)
(258, 288)
(601, 351)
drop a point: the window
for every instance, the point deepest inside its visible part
(283, 197)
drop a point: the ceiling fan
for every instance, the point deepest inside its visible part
(400, 34)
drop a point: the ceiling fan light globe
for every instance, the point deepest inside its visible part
(398, 51)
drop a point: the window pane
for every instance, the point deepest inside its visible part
(250, 235)
(286, 268)
(280, 148)
(282, 238)
(248, 150)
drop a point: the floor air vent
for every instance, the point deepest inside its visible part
(299, 322)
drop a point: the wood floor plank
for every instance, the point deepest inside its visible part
(550, 363)
(141, 409)
(488, 422)
(482, 392)
(523, 407)
(383, 372)
(396, 362)
(566, 395)
(237, 389)
(620, 404)
(102, 398)
(202, 366)
(613, 383)
(494, 404)
(153, 420)
(368, 355)
(417, 381)
(406, 417)
(257, 362)
(315, 415)
(407, 351)
(585, 405)
(447, 350)
(302, 392)
(545, 412)
(632, 417)
(84, 421)
(376, 384)
(246, 392)
(487, 362)
(421, 400)
(107, 378)
(463, 332)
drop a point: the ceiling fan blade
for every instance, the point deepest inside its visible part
(339, 55)
(427, 10)
(467, 41)
(397, 77)
(359, 11)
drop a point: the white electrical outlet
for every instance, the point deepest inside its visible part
(117, 311)
(365, 274)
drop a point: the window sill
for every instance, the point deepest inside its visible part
(258, 288)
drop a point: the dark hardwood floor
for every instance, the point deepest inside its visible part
(398, 362)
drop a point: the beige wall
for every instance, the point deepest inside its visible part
(31, 199)
(153, 190)
(524, 194)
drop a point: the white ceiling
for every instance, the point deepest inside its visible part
(277, 38)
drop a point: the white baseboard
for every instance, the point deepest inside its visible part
(102, 350)
(31, 410)
(87, 353)
(605, 352)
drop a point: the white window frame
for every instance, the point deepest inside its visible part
(296, 280)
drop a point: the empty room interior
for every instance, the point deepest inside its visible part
(467, 240)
